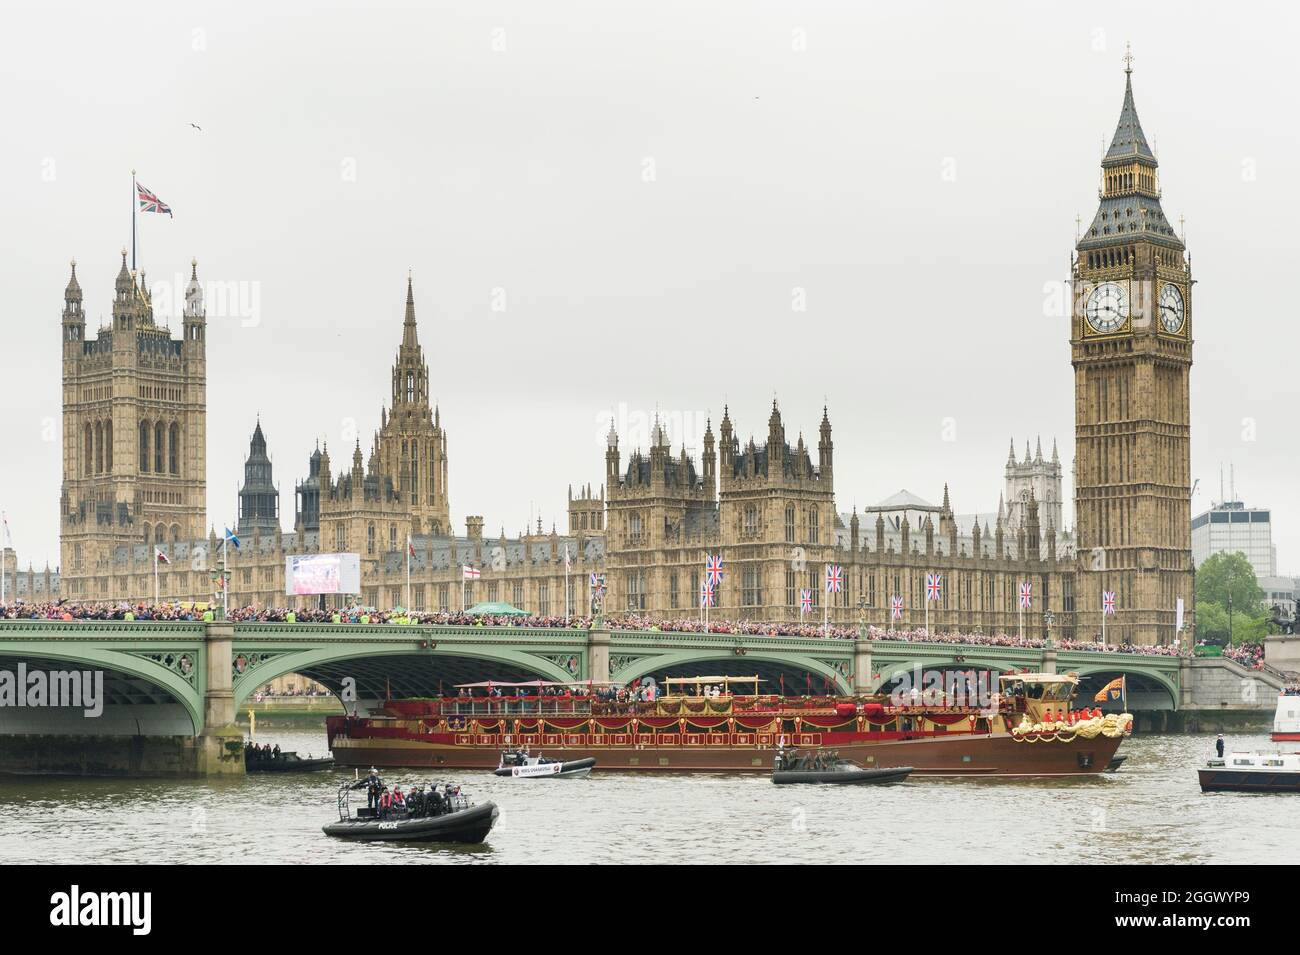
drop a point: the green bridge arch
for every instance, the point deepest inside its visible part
(655, 663)
(185, 690)
(1169, 685)
(309, 661)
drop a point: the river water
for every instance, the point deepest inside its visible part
(1151, 811)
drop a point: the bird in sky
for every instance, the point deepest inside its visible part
(197, 126)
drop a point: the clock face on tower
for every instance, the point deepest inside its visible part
(1171, 309)
(1107, 307)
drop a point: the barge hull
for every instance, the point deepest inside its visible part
(995, 754)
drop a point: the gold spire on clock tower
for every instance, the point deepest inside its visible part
(1131, 349)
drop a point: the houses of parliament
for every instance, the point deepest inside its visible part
(134, 464)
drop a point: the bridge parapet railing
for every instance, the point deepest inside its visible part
(11, 628)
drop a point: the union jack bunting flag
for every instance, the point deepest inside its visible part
(1108, 602)
(713, 569)
(933, 586)
(706, 595)
(896, 607)
(805, 600)
(1026, 596)
(149, 202)
(834, 578)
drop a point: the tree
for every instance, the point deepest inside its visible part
(1222, 575)
(1212, 623)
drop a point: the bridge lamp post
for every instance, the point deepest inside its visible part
(1049, 618)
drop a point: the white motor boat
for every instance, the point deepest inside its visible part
(1252, 773)
(522, 765)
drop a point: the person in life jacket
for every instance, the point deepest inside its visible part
(399, 801)
(374, 786)
(385, 803)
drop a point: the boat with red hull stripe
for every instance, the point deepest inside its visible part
(1286, 719)
(1028, 728)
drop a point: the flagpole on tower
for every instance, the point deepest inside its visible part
(134, 203)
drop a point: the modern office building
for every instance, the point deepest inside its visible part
(1231, 527)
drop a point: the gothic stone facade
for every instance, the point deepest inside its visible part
(133, 480)
(1131, 346)
(771, 516)
(130, 490)
(134, 412)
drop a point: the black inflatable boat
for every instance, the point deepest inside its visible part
(471, 824)
(797, 766)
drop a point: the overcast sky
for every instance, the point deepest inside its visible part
(622, 206)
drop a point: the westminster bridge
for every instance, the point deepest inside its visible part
(171, 689)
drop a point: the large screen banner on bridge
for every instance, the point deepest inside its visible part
(322, 574)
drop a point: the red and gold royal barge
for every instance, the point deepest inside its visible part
(1028, 729)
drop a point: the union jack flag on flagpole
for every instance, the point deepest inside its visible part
(1108, 602)
(896, 607)
(933, 586)
(706, 595)
(1026, 596)
(805, 600)
(713, 569)
(834, 578)
(149, 202)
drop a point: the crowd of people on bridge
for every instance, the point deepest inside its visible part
(912, 635)
(1250, 655)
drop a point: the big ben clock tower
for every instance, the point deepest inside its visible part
(1131, 347)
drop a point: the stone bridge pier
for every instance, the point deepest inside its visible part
(863, 678)
(219, 747)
